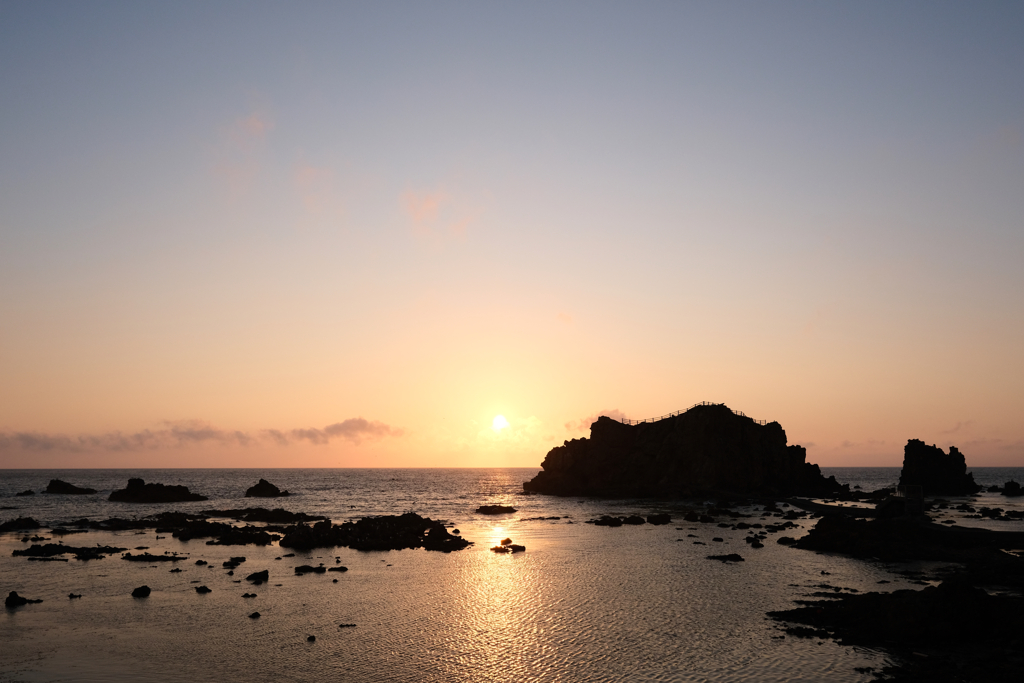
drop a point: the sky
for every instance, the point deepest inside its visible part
(351, 234)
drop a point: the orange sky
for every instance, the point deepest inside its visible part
(356, 245)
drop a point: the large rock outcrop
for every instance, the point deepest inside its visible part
(62, 487)
(938, 473)
(138, 491)
(706, 450)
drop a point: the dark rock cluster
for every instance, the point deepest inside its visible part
(264, 489)
(495, 509)
(707, 449)
(62, 487)
(938, 473)
(15, 600)
(53, 549)
(19, 524)
(390, 532)
(138, 491)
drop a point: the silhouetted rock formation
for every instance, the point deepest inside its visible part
(275, 516)
(936, 472)
(52, 549)
(58, 486)
(138, 491)
(707, 449)
(141, 592)
(264, 489)
(389, 532)
(19, 524)
(28, 492)
(495, 509)
(1012, 489)
(15, 600)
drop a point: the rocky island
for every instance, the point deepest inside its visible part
(708, 449)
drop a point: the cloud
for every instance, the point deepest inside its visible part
(317, 190)
(956, 429)
(435, 214)
(184, 433)
(584, 423)
(240, 153)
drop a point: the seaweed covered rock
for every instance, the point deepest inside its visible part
(705, 450)
(389, 532)
(264, 489)
(62, 487)
(138, 491)
(938, 473)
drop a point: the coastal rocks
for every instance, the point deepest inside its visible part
(1012, 489)
(254, 615)
(952, 632)
(264, 489)
(731, 557)
(659, 519)
(138, 491)
(495, 509)
(15, 600)
(259, 577)
(146, 557)
(275, 516)
(62, 487)
(74, 596)
(222, 534)
(141, 592)
(203, 590)
(308, 569)
(938, 473)
(389, 532)
(53, 549)
(706, 450)
(19, 524)
(507, 546)
(29, 492)
(338, 569)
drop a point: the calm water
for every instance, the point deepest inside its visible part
(584, 603)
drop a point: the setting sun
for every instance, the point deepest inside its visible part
(499, 423)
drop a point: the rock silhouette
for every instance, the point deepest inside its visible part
(138, 491)
(388, 532)
(141, 592)
(62, 487)
(936, 472)
(708, 449)
(15, 600)
(20, 524)
(264, 489)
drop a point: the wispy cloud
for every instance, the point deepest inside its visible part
(583, 424)
(958, 427)
(436, 214)
(239, 153)
(184, 433)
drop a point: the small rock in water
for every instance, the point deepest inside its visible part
(72, 596)
(141, 592)
(310, 639)
(254, 615)
(15, 600)
(732, 557)
(203, 589)
(346, 625)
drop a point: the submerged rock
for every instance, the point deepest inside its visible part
(138, 491)
(19, 524)
(705, 450)
(495, 509)
(264, 489)
(62, 487)
(15, 600)
(259, 577)
(938, 473)
(388, 532)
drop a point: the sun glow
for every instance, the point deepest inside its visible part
(499, 423)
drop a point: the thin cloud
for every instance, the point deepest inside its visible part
(958, 426)
(240, 153)
(436, 214)
(185, 433)
(584, 423)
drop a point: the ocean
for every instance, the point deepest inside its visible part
(583, 603)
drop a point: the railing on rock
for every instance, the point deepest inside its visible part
(680, 412)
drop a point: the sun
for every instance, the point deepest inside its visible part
(499, 423)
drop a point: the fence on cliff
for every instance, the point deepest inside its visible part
(680, 412)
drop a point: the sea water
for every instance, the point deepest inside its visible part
(583, 603)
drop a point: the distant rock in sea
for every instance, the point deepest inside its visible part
(138, 491)
(19, 524)
(62, 487)
(708, 449)
(937, 473)
(264, 489)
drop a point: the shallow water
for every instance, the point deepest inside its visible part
(583, 603)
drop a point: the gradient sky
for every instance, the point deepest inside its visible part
(350, 234)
